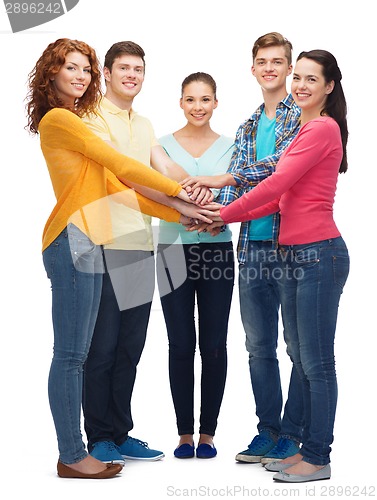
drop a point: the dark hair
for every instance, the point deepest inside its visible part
(273, 39)
(335, 105)
(123, 48)
(42, 96)
(200, 77)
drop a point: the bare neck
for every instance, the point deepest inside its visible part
(122, 102)
(196, 133)
(271, 100)
(196, 140)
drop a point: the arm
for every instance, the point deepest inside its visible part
(245, 169)
(211, 181)
(170, 213)
(307, 150)
(246, 173)
(220, 218)
(99, 126)
(183, 206)
(162, 162)
(61, 128)
(232, 184)
(266, 209)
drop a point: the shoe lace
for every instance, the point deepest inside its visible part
(260, 441)
(109, 445)
(283, 444)
(137, 441)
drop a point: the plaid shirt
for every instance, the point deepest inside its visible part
(248, 172)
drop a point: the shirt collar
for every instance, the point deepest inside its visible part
(287, 102)
(114, 109)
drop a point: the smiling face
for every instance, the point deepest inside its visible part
(73, 78)
(198, 102)
(270, 68)
(124, 80)
(309, 88)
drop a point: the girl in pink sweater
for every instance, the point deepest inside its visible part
(315, 262)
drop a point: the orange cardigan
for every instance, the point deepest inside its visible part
(84, 170)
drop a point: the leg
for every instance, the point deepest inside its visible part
(321, 271)
(76, 288)
(132, 275)
(117, 345)
(288, 445)
(293, 417)
(178, 308)
(297, 410)
(318, 297)
(133, 332)
(97, 402)
(214, 296)
(259, 302)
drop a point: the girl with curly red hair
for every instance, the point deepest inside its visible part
(84, 170)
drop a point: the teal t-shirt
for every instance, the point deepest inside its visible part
(261, 229)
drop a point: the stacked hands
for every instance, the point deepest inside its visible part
(199, 211)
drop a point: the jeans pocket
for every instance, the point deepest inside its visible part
(307, 255)
(341, 267)
(86, 255)
(50, 256)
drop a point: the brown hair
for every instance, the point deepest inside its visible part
(123, 48)
(200, 77)
(42, 96)
(335, 105)
(273, 39)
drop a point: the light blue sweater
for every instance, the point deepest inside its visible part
(215, 160)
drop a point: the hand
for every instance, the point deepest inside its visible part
(188, 222)
(200, 195)
(213, 228)
(183, 195)
(212, 181)
(214, 231)
(194, 212)
(201, 227)
(214, 208)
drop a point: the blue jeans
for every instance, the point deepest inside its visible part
(259, 289)
(209, 282)
(74, 266)
(118, 342)
(313, 279)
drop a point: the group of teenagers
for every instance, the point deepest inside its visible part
(110, 176)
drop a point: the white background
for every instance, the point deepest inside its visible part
(180, 38)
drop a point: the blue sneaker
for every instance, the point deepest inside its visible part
(284, 448)
(134, 449)
(107, 452)
(258, 448)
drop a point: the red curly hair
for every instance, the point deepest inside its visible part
(42, 95)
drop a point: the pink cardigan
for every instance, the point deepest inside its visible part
(302, 188)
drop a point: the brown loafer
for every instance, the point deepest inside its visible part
(67, 472)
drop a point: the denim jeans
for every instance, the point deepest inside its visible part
(74, 266)
(118, 342)
(209, 283)
(313, 279)
(259, 289)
